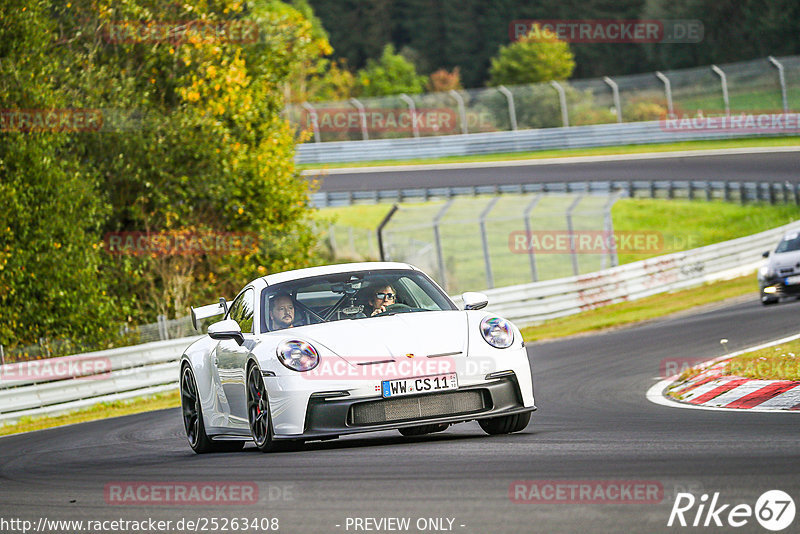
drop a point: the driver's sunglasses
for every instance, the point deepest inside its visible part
(381, 296)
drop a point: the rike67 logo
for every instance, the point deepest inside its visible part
(774, 510)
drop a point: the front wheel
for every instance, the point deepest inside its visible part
(766, 301)
(505, 424)
(258, 410)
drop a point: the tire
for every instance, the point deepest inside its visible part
(423, 429)
(193, 419)
(258, 414)
(505, 424)
(766, 301)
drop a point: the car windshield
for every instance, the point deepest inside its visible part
(790, 243)
(351, 295)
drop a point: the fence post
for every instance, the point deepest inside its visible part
(608, 223)
(528, 234)
(485, 241)
(782, 79)
(412, 108)
(562, 98)
(438, 240)
(724, 81)
(163, 334)
(571, 233)
(332, 239)
(615, 92)
(462, 112)
(383, 223)
(668, 92)
(2, 356)
(512, 110)
(314, 120)
(362, 114)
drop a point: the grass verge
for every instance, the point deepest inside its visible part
(568, 152)
(99, 411)
(627, 313)
(781, 362)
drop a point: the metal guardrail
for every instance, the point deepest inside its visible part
(533, 303)
(631, 133)
(58, 385)
(153, 367)
(772, 192)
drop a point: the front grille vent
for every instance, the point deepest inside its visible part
(409, 408)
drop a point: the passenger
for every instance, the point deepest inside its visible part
(381, 296)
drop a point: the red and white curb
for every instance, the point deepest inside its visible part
(711, 390)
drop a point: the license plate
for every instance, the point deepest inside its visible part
(422, 384)
(793, 280)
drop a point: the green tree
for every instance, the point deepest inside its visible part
(192, 142)
(51, 278)
(390, 75)
(539, 57)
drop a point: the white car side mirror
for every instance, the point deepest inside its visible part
(227, 329)
(474, 301)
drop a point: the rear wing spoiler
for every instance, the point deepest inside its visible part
(212, 310)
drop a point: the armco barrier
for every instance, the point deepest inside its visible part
(529, 304)
(629, 133)
(31, 388)
(153, 367)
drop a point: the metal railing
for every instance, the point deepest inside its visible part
(730, 191)
(754, 85)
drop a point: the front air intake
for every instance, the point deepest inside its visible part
(410, 408)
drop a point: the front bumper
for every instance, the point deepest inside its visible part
(333, 417)
(781, 289)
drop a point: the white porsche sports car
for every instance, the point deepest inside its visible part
(317, 353)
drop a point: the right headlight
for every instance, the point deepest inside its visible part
(766, 272)
(497, 332)
(297, 355)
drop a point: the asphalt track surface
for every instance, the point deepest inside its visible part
(593, 423)
(771, 167)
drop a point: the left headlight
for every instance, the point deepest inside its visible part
(297, 355)
(497, 332)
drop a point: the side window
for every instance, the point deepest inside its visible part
(242, 311)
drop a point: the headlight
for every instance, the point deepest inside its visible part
(497, 332)
(766, 272)
(297, 355)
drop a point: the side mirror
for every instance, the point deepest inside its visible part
(227, 329)
(766, 254)
(474, 301)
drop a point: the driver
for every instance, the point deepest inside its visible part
(382, 295)
(281, 311)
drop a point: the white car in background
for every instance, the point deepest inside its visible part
(780, 276)
(339, 366)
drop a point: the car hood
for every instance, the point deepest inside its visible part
(395, 336)
(785, 260)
